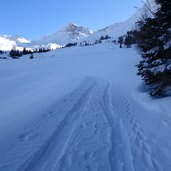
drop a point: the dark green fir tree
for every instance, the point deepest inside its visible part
(155, 45)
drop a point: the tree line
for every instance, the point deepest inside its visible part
(16, 53)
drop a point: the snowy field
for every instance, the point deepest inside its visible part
(79, 109)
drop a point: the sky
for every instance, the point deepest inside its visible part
(33, 19)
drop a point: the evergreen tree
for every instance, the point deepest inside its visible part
(102, 38)
(120, 41)
(155, 44)
(24, 51)
(15, 53)
(130, 38)
(71, 44)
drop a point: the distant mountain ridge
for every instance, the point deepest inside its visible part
(76, 33)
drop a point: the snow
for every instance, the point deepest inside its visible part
(6, 44)
(81, 108)
(51, 46)
(23, 40)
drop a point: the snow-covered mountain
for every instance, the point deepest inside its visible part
(7, 42)
(71, 33)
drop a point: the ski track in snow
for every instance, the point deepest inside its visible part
(143, 157)
(89, 135)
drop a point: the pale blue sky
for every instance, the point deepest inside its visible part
(35, 18)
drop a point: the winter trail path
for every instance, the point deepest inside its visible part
(89, 135)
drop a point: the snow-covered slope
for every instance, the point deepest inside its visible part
(115, 30)
(121, 28)
(70, 33)
(7, 42)
(77, 109)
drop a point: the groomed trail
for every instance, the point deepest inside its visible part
(84, 131)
